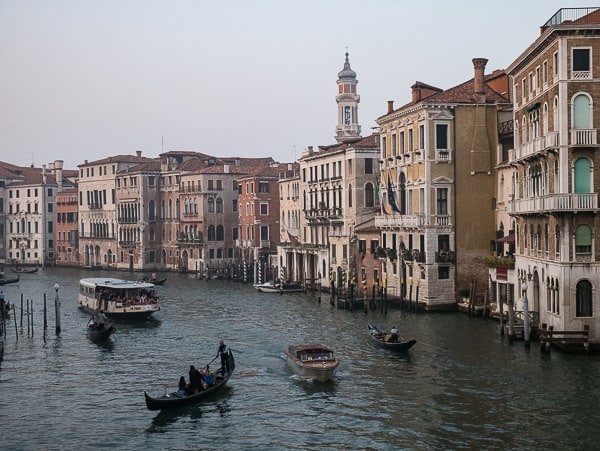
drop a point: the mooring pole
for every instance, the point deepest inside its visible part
(57, 308)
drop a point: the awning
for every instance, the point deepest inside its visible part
(510, 239)
(535, 106)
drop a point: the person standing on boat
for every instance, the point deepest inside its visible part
(100, 319)
(222, 351)
(394, 332)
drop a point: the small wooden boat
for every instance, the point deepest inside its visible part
(24, 270)
(384, 339)
(6, 281)
(174, 399)
(313, 361)
(99, 332)
(154, 280)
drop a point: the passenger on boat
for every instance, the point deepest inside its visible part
(394, 332)
(100, 319)
(195, 379)
(207, 377)
(182, 390)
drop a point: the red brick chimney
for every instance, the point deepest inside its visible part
(478, 84)
(390, 106)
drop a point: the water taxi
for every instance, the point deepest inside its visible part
(312, 361)
(117, 298)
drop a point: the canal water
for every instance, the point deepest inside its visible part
(462, 386)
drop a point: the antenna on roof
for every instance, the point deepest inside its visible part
(294, 153)
(162, 143)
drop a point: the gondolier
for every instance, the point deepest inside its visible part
(222, 351)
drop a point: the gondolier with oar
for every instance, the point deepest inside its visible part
(222, 351)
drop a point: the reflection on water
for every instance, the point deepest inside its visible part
(460, 386)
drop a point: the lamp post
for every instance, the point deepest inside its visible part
(57, 308)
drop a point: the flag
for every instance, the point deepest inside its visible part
(391, 197)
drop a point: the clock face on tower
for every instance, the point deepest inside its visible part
(346, 115)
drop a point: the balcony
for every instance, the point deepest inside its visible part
(445, 257)
(323, 214)
(555, 203)
(128, 244)
(265, 244)
(529, 148)
(580, 137)
(400, 221)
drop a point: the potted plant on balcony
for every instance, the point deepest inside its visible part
(500, 262)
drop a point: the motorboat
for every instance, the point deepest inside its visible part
(312, 361)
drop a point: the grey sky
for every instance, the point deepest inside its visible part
(87, 79)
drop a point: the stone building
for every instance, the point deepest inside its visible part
(555, 183)
(337, 190)
(98, 208)
(259, 231)
(67, 228)
(438, 157)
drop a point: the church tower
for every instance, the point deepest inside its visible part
(347, 99)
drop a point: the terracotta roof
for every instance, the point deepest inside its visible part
(368, 142)
(147, 166)
(117, 159)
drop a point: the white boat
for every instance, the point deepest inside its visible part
(312, 361)
(117, 298)
(270, 287)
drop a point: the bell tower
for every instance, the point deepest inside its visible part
(347, 99)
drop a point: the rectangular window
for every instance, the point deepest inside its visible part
(220, 185)
(263, 187)
(264, 208)
(524, 90)
(410, 140)
(443, 272)
(581, 60)
(264, 232)
(383, 146)
(441, 136)
(421, 136)
(368, 165)
(545, 72)
(442, 201)
(394, 145)
(401, 139)
(211, 185)
(538, 81)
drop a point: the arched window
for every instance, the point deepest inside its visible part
(211, 233)
(583, 239)
(369, 195)
(545, 119)
(211, 205)
(581, 112)
(220, 233)
(582, 175)
(583, 299)
(555, 114)
(219, 205)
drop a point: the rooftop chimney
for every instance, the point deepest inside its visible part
(138, 153)
(390, 106)
(478, 84)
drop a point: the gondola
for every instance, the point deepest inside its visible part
(173, 400)
(97, 332)
(154, 281)
(383, 339)
(24, 270)
(6, 281)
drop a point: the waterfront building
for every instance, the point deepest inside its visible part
(291, 211)
(438, 157)
(259, 206)
(337, 186)
(98, 208)
(67, 228)
(31, 215)
(554, 204)
(139, 230)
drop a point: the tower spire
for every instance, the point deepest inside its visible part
(347, 99)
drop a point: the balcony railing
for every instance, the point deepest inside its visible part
(400, 221)
(581, 137)
(567, 202)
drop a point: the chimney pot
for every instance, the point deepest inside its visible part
(478, 83)
(390, 106)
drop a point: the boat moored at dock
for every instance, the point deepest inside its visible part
(118, 298)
